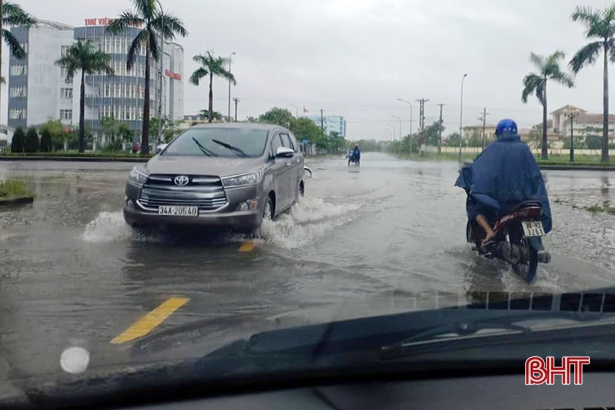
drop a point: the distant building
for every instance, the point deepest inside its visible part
(38, 90)
(332, 123)
(583, 123)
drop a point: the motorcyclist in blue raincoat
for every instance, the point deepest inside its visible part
(356, 152)
(502, 176)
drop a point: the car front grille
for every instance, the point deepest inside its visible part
(206, 193)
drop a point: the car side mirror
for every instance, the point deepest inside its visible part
(160, 148)
(284, 152)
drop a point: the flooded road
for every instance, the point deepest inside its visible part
(71, 270)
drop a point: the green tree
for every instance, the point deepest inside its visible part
(278, 116)
(31, 143)
(600, 26)
(46, 141)
(83, 58)
(304, 128)
(536, 83)
(475, 139)
(453, 140)
(13, 16)
(17, 143)
(204, 115)
(431, 133)
(211, 66)
(154, 25)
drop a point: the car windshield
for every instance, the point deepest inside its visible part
(219, 142)
(243, 184)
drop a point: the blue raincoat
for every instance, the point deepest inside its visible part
(502, 176)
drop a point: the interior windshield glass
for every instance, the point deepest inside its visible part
(219, 142)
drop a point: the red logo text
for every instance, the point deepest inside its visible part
(538, 371)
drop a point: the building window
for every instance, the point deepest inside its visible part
(17, 114)
(107, 90)
(117, 90)
(19, 69)
(64, 50)
(67, 93)
(107, 46)
(18, 92)
(116, 111)
(66, 115)
(24, 46)
(63, 74)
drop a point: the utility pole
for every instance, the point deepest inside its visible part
(484, 120)
(421, 102)
(322, 123)
(236, 101)
(440, 131)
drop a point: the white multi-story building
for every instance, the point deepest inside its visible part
(583, 123)
(332, 123)
(38, 90)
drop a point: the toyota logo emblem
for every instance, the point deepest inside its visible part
(181, 180)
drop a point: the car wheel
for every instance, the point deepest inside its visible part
(267, 215)
(268, 210)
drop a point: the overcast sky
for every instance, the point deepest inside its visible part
(356, 57)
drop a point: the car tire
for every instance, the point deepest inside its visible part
(268, 213)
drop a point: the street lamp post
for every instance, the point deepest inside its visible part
(410, 104)
(571, 114)
(400, 122)
(236, 102)
(230, 58)
(461, 117)
(161, 75)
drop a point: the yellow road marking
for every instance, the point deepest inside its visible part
(148, 322)
(247, 247)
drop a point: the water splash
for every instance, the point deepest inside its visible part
(107, 227)
(308, 221)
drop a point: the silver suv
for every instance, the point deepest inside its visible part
(225, 175)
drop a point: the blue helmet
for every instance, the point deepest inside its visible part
(508, 126)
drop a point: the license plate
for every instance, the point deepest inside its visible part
(178, 210)
(532, 229)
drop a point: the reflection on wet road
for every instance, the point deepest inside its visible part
(73, 272)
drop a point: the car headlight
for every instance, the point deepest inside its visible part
(240, 180)
(138, 175)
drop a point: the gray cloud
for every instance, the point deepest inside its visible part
(356, 57)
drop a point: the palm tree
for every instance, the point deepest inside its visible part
(211, 66)
(154, 25)
(536, 83)
(600, 25)
(13, 15)
(82, 56)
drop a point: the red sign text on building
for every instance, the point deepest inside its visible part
(104, 22)
(173, 75)
(539, 372)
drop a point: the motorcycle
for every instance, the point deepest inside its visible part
(517, 239)
(354, 160)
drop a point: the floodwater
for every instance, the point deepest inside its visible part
(72, 270)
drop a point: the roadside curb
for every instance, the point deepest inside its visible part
(577, 167)
(16, 201)
(72, 159)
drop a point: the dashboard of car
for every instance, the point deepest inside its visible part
(488, 392)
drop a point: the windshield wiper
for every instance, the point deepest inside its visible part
(203, 149)
(236, 150)
(475, 333)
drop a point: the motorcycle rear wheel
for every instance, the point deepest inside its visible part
(527, 270)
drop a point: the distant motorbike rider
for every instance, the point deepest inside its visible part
(502, 176)
(356, 153)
